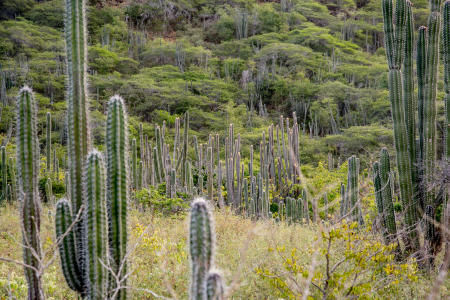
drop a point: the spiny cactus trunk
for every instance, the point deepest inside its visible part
(48, 141)
(431, 78)
(77, 117)
(386, 192)
(66, 246)
(27, 179)
(446, 51)
(134, 170)
(421, 69)
(395, 35)
(202, 243)
(96, 230)
(117, 190)
(4, 194)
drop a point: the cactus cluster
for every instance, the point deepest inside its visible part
(104, 220)
(102, 226)
(415, 141)
(207, 175)
(206, 283)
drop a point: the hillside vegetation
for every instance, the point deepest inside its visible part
(233, 149)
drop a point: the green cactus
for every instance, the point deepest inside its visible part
(77, 117)
(184, 153)
(27, 181)
(117, 189)
(397, 37)
(210, 168)
(49, 190)
(446, 51)
(66, 245)
(4, 171)
(343, 203)
(214, 286)
(202, 243)
(12, 175)
(96, 228)
(48, 141)
(134, 164)
(352, 187)
(379, 198)
(386, 192)
(421, 87)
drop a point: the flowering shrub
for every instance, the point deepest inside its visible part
(347, 261)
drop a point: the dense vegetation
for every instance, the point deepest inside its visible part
(205, 86)
(237, 62)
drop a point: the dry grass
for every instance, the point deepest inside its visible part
(160, 262)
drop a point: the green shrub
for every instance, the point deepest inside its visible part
(156, 200)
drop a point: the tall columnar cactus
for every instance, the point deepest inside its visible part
(117, 189)
(343, 209)
(386, 193)
(48, 141)
(134, 164)
(202, 243)
(446, 51)
(96, 230)
(4, 194)
(352, 187)
(395, 42)
(77, 117)
(378, 197)
(12, 175)
(27, 180)
(421, 69)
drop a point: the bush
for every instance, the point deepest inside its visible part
(48, 13)
(157, 201)
(352, 263)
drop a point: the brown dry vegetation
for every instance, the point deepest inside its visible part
(160, 262)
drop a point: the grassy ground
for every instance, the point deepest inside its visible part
(160, 261)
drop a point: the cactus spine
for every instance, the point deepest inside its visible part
(117, 188)
(202, 243)
(27, 180)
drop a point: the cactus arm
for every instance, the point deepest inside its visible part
(214, 286)
(66, 246)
